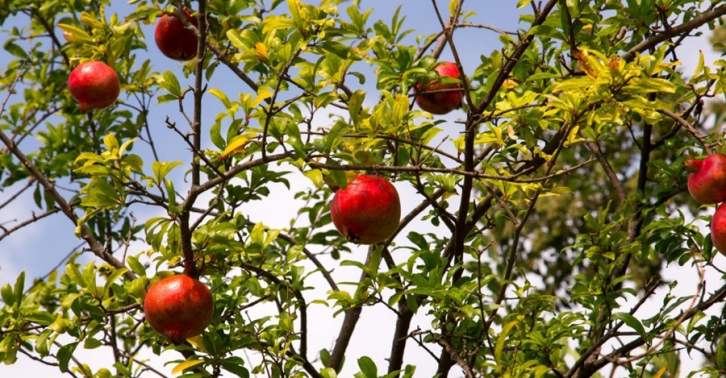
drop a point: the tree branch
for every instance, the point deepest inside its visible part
(685, 27)
(96, 247)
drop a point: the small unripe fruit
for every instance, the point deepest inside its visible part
(94, 85)
(367, 211)
(173, 39)
(707, 181)
(443, 97)
(178, 307)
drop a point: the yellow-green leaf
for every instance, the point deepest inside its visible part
(87, 19)
(185, 365)
(261, 51)
(262, 94)
(110, 142)
(500, 343)
(316, 176)
(75, 35)
(113, 277)
(294, 6)
(221, 96)
(661, 372)
(198, 342)
(236, 145)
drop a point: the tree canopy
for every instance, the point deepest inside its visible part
(539, 213)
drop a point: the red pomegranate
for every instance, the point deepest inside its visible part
(367, 211)
(441, 101)
(173, 39)
(718, 228)
(94, 85)
(178, 307)
(707, 181)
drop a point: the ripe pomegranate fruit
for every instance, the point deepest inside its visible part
(173, 39)
(718, 228)
(444, 101)
(94, 85)
(367, 211)
(178, 307)
(707, 181)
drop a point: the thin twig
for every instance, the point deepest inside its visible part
(691, 130)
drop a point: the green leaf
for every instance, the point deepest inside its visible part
(166, 98)
(240, 39)
(100, 194)
(171, 194)
(501, 341)
(336, 48)
(135, 265)
(294, 7)
(103, 373)
(357, 264)
(295, 140)
(400, 108)
(91, 343)
(112, 278)
(699, 68)
(14, 49)
(75, 275)
(162, 168)
(89, 275)
(215, 134)
(168, 82)
(652, 85)
(125, 146)
(409, 371)
(340, 178)
(221, 96)
(574, 84)
(328, 373)
(324, 356)
(257, 235)
(76, 35)
(7, 294)
(41, 346)
(19, 287)
(41, 317)
(631, 321)
(90, 20)
(355, 104)
(272, 23)
(335, 136)
(236, 369)
(64, 356)
(316, 176)
(368, 367)
(68, 300)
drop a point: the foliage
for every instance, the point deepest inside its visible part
(555, 208)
